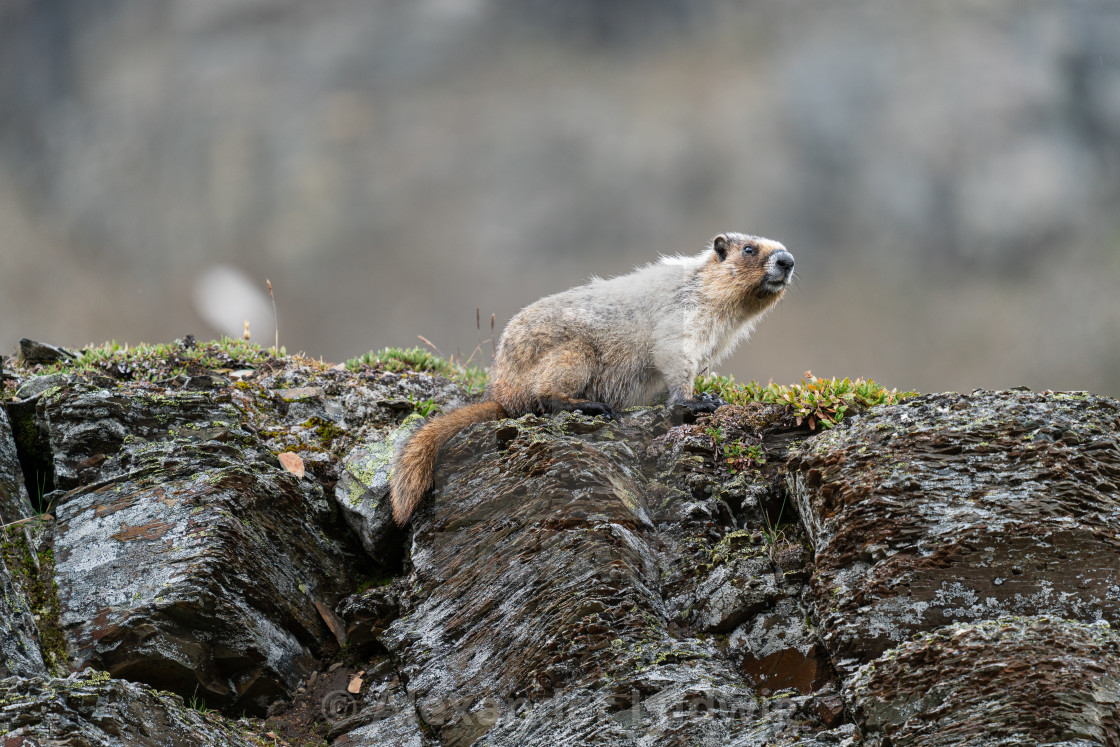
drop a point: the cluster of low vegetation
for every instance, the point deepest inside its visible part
(816, 401)
(469, 376)
(165, 360)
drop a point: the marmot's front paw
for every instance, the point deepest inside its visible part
(704, 403)
(686, 411)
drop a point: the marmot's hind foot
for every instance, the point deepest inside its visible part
(597, 408)
(586, 406)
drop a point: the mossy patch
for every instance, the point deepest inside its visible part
(29, 557)
(161, 361)
(397, 360)
(741, 543)
(378, 581)
(326, 430)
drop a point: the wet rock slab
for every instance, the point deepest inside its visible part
(186, 558)
(87, 425)
(535, 612)
(953, 508)
(19, 635)
(89, 708)
(779, 649)
(200, 573)
(14, 502)
(1008, 681)
(362, 493)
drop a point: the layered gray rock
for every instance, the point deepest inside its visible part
(199, 569)
(1005, 681)
(14, 502)
(19, 636)
(957, 508)
(535, 608)
(89, 708)
(187, 558)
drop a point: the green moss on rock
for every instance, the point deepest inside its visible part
(31, 564)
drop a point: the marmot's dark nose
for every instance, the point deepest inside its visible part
(783, 260)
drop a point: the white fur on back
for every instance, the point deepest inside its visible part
(654, 319)
(647, 332)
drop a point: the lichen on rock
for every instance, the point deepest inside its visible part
(362, 493)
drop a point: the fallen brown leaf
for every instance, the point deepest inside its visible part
(292, 462)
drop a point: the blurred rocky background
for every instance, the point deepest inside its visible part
(947, 174)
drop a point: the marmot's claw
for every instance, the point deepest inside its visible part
(598, 408)
(704, 403)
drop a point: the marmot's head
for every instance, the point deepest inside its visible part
(751, 267)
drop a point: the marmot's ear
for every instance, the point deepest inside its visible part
(719, 243)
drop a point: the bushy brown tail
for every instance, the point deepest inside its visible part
(416, 462)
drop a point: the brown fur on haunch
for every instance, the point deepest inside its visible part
(412, 474)
(613, 344)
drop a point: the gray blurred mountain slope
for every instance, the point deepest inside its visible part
(947, 175)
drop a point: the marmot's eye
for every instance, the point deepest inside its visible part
(748, 249)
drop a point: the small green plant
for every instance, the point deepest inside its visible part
(425, 407)
(375, 581)
(773, 533)
(738, 456)
(419, 359)
(817, 401)
(198, 704)
(39, 504)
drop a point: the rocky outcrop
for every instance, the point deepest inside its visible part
(14, 503)
(941, 571)
(90, 708)
(1008, 681)
(992, 507)
(536, 577)
(19, 645)
(178, 519)
(186, 556)
(957, 508)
